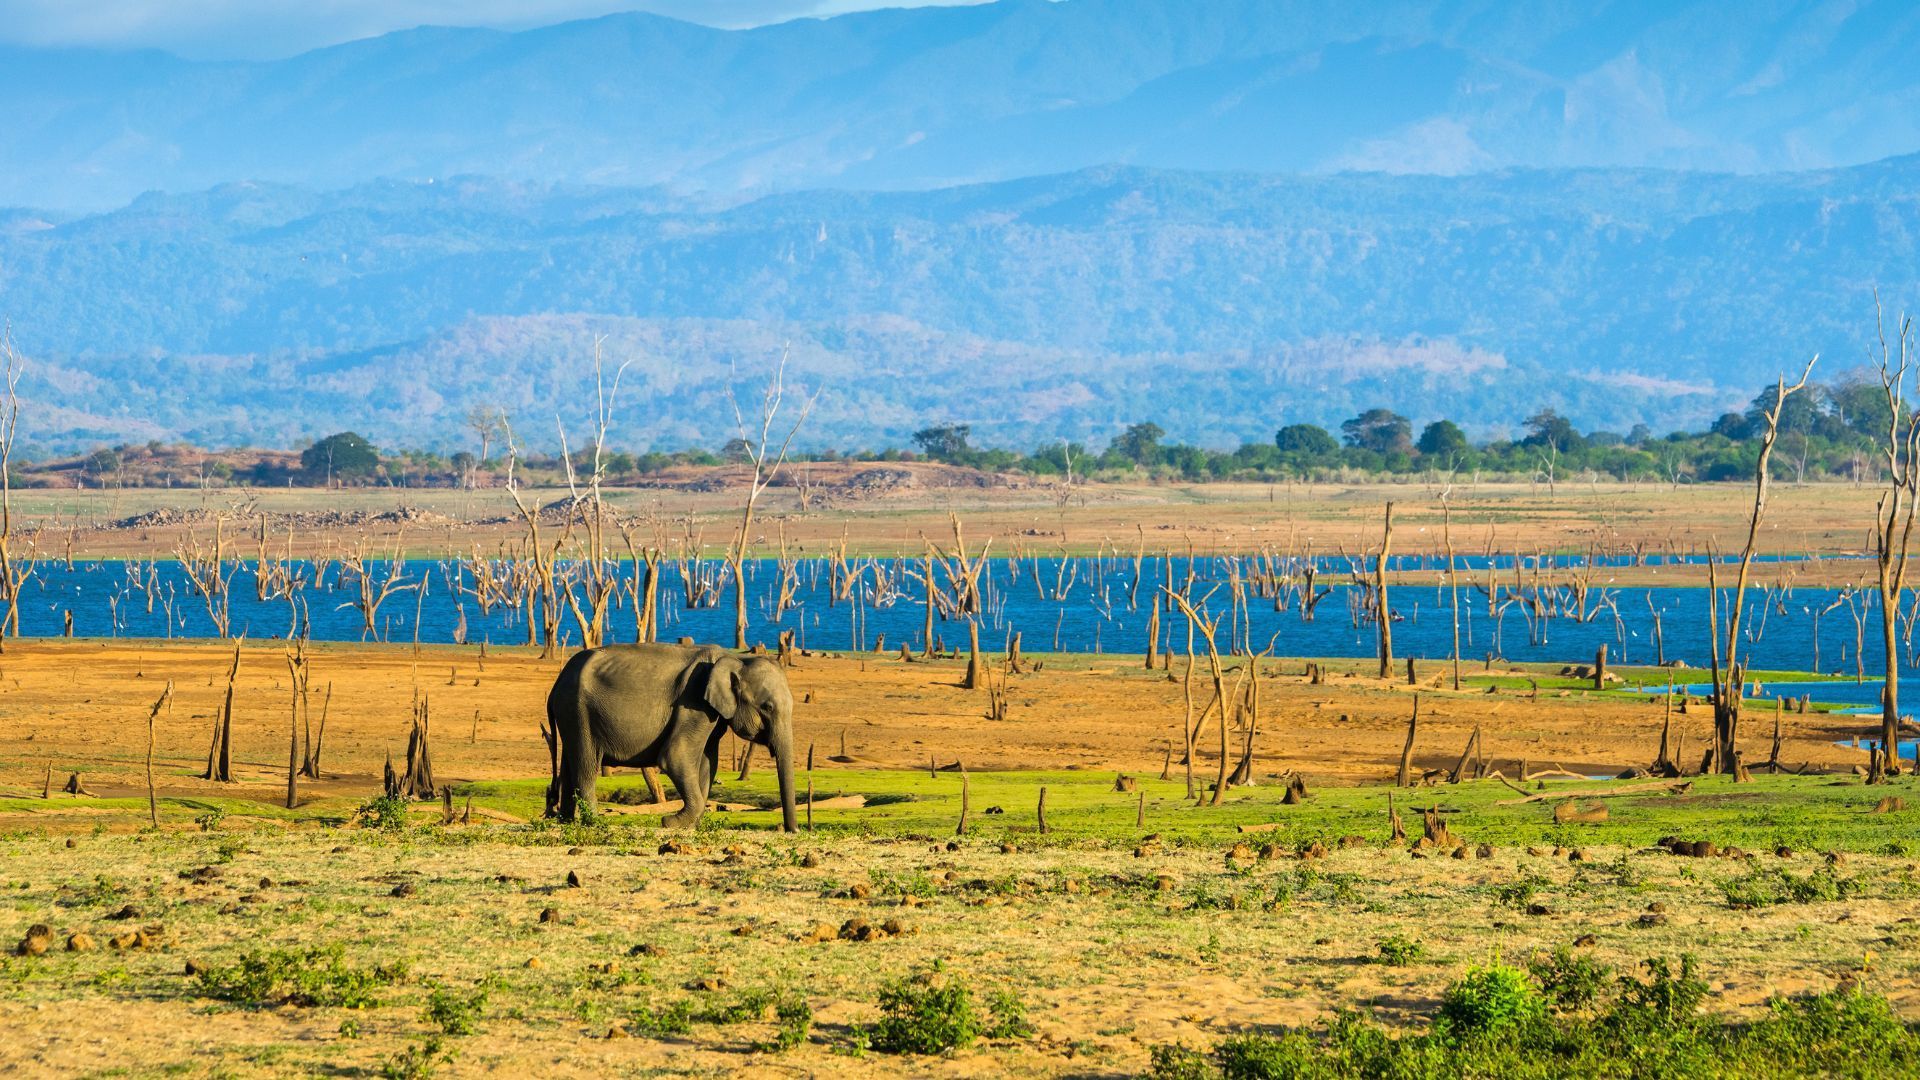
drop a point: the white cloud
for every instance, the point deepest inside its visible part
(260, 29)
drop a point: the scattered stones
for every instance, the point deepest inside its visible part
(646, 948)
(708, 984)
(1463, 852)
(1653, 918)
(1484, 851)
(1537, 852)
(1579, 855)
(79, 942)
(127, 912)
(819, 932)
(675, 847)
(403, 890)
(859, 890)
(549, 915)
(201, 875)
(1539, 909)
(811, 860)
(606, 967)
(1240, 852)
(1585, 941)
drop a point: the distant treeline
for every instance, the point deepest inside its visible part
(1827, 431)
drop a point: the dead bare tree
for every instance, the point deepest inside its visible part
(1380, 595)
(14, 571)
(596, 574)
(765, 471)
(1893, 525)
(1730, 681)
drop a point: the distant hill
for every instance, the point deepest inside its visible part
(1217, 304)
(934, 97)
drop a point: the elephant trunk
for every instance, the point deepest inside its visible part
(780, 742)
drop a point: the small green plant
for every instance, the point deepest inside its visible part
(1176, 1062)
(1490, 998)
(1571, 981)
(793, 1022)
(454, 1014)
(1763, 888)
(675, 1018)
(1520, 893)
(350, 1028)
(1667, 999)
(930, 1013)
(1210, 949)
(387, 813)
(318, 976)
(418, 1061)
(210, 821)
(1401, 951)
(1009, 1016)
(746, 1006)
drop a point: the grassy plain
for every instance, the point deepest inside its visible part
(1116, 937)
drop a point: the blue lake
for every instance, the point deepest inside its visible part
(1078, 604)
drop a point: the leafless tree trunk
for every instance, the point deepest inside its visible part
(765, 471)
(1893, 525)
(1380, 596)
(1730, 681)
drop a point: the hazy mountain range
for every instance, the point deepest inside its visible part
(932, 97)
(1218, 215)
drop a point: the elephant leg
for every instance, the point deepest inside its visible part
(578, 778)
(686, 763)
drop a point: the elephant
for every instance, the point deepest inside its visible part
(664, 706)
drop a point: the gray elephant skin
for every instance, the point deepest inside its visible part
(665, 706)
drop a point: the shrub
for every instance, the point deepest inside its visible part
(454, 1014)
(928, 1014)
(418, 1061)
(1400, 951)
(674, 1019)
(1009, 1016)
(386, 812)
(318, 976)
(793, 1021)
(1571, 981)
(1176, 1062)
(1490, 998)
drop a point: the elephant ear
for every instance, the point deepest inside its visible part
(723, 686)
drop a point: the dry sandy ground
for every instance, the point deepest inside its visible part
(82, 706)
(1825, 519)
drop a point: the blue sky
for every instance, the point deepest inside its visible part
(261, 29)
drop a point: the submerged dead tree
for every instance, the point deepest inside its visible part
(1380, 596)
(765, 470)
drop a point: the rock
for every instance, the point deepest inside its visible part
(535, 963)
(38, 939)
(1539, 909)
(194, 967)
(616, 1032)
(646, 948)
(1783, 852)
(896, 928)
(1241, 852)
(1163, 883)
(708, 984)
(1578, 855)
(1484, 851)
(575, 850)
(811, 860)
(1653, 918)
(819, 932)
(127, 912)
(79, 942)
(549, 915)
(1585, 941)
(674, 847)
(573, 879)
(1008, 849)
(1656, 907)
(404, 889)
(1462, 852)
(1537, 852)
(859, 890)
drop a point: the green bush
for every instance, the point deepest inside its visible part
(1571, 982)
(318, 976)
(455, 1014)
(927, 1014)
(793, 1021)
(676, 1018)
(386, 812)
(1490, 998)
(1399, 951)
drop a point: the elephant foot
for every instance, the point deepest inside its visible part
(682, 819)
